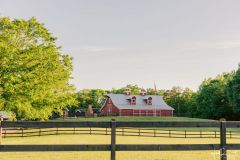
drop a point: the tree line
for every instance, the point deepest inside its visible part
(215, 98)
(35, 74)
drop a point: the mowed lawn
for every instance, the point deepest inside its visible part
(144, 118)
(105, 139)
(130, 118)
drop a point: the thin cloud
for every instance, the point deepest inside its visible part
(92, 49)
(212, 45)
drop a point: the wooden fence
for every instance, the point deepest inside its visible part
(126, 131)
(113, 147)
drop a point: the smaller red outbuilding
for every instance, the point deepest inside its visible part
(135, 105)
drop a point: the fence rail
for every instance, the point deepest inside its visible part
(144, 132)
(140, 124)
(116, 128)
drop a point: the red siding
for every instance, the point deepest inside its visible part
(166, 113)
(130, 112)
(109, 109)
(126, 112)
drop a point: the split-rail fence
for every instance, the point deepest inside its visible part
(222, 146)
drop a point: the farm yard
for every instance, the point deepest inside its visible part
(125, 136)
(105, 139)
(119, 80)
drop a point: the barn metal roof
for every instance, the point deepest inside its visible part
(121, 101)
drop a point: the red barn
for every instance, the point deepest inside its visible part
(135, 105)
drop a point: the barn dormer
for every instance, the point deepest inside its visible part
(143, 92)
(127, 91)
(149, 101)
(133, 100)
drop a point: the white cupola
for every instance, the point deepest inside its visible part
(127, 91)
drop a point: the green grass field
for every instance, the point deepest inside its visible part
(126, 118)
(104, 139)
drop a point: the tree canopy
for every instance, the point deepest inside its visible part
(216, 97)
(233, 93)
(212, 99)
(94, 97)
(34, 74)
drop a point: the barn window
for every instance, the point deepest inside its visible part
(149, 101)
(133, 101)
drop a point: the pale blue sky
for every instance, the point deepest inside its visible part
(114, 43)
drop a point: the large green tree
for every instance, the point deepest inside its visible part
(233, 92)
(34, 75)
(181, 99)
(94, 97)
(212, 101)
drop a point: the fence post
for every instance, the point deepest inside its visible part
(22, 132)
(215, 133)
(223, 150)
(39, 132)
(139, 132)
(185, 134)
(1, 130)
(154, 132)
(113, 139)
(169, 133)
(90, 131)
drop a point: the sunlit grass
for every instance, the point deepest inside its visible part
(105, 139)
